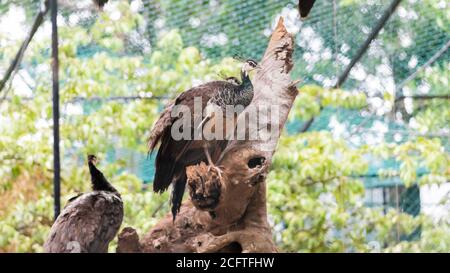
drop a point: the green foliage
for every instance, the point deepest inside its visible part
(316, 196)
(92, 126)
(432, 115)
(312, 97)
(315, 189)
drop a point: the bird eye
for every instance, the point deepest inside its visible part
(252, 63)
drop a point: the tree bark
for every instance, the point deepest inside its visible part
(227, 211)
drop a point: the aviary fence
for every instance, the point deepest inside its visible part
(379, 48)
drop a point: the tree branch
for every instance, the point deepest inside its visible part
(422, 97)
(361, 51)
(18, 58)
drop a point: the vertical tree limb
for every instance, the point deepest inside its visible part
(55, 111)
(359, 54)
(18, 58)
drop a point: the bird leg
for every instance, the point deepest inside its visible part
(211, 165)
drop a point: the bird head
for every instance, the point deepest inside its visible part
(249, 65)
(92, 159)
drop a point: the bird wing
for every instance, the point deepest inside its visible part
(170, 150)
(175, 155)
(165, 120)
(111, 207)
(210, 110)
(162, 123)
(87, 224)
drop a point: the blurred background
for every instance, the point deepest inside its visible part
(363, 164)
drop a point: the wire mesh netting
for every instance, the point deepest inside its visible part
(396, 74)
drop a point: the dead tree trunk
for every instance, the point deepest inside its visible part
(239, 221)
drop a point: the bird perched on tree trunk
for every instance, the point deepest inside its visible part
(241, 96)
(89, 222)
(175, 155)
(304, 7)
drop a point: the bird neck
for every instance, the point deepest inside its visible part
(99, 182)
(246, 84)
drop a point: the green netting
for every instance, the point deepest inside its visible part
(324, 45)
